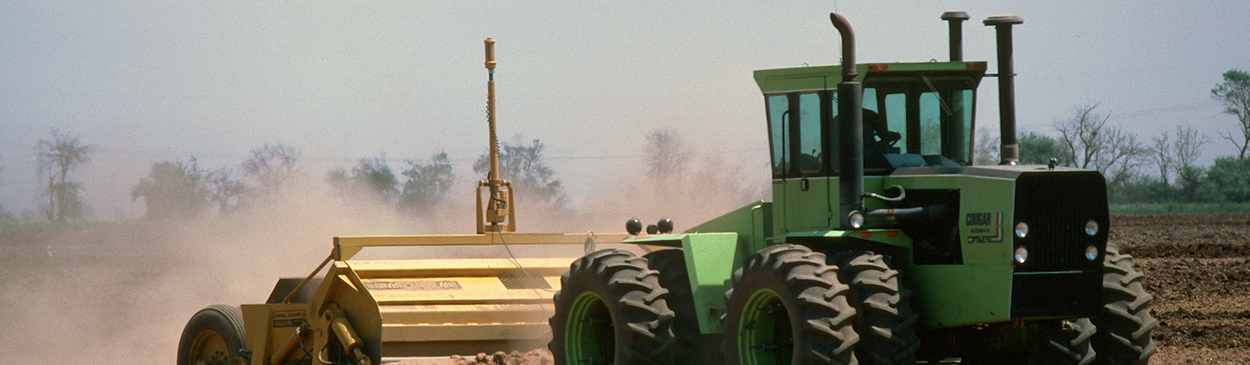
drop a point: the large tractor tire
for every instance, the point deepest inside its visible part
(693, 347)
(611, 309)
(886, 322)
(787, 306)
(1068, 345)
(1124, 322)
(213, 336)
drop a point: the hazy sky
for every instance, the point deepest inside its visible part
(153, 81)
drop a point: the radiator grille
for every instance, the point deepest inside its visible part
(1058, 279)
(1056, 207)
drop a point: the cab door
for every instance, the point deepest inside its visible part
(798, 131)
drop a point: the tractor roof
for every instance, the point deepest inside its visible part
(827, 77)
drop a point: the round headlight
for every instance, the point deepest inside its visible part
(856, 219)
(1022, 229)
(1022, 255)
(1091, 253)
(1091, 228)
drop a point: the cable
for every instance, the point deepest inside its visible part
(517, 262)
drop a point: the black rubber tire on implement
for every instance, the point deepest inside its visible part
(215, 332)
(1124, 322)
(693, 347)
(885, 322)
(611, 306)
(787, 306)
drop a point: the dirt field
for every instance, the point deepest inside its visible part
(1197, 266)
(121, 293)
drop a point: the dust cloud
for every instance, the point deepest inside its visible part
(122, 291)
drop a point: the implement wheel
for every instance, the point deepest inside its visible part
(1124, 322)
(886, 322)
(693, 347)
(213, 336)
(788, 307)
(611, 309)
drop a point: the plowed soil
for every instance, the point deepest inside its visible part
(111, 293)
(1197, 266)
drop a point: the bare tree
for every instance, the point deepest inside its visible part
(1160, 152)
(1189, 145)
(986, 148)
(58, 157)
(272, 166)
(1092, 144)
(1234, 93)
(666, 154)
(229, 193)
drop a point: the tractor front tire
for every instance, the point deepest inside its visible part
(886, 322)
(213, 336)
(693, 347)
(611, 309)
(1068, 345)
(1043, 343)
(787, 306)
(1124, 322)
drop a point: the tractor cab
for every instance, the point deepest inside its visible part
(917, 116)
(914, 114)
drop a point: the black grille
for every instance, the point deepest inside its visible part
(1056, 206)
(1058, 280)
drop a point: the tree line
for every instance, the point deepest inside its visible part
(1160, 170)
(186, 189)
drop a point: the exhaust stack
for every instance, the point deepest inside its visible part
(1009, 150)
(956, 19)
(850, 132)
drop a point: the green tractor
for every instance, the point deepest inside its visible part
(883, 243)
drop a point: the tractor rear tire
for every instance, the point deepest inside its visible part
(214, 335)
(787, 306)
(693, 347)
(611, 309)
(886, 322)
(1124, 322)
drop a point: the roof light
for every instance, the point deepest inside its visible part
(878, 67)
(976, 65)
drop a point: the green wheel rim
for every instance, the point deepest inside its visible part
(589, 333)
(764, 333)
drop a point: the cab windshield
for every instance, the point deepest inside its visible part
(910, 119)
